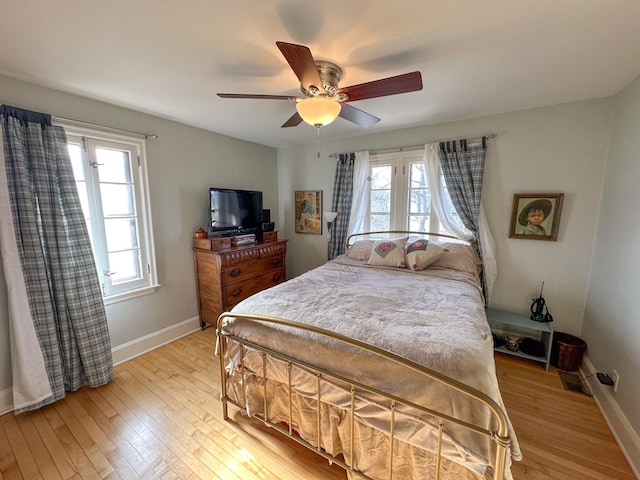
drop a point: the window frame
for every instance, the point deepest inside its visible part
(400, 189)
(87, 139)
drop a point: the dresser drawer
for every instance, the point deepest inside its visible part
(250, 269)
(237, 292)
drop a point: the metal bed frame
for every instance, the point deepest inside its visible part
(499, 436)
(403, 232)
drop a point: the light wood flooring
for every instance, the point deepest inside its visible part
(160, 418)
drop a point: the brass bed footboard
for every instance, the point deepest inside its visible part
(500, 436)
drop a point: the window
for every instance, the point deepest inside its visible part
(399, 196)
(111, 179)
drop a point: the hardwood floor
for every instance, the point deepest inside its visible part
(160, 418)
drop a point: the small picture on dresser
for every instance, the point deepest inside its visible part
(308, 204)
(536, 216)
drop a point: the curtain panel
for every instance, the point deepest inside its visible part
(58, 329)
(359, 203)
(463, 170)
(441, 203)
(341, 203)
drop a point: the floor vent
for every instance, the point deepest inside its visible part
(572, 382)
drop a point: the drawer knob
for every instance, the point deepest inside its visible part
(235, 272)
(275, 261)
(276, 278)
(236, 292)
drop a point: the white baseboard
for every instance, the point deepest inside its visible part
(127, 351)
(625, 435)
(145, 344)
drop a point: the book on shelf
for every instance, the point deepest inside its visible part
(245, 236)
(243, 244)
(247, 239)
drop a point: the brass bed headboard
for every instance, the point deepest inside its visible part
(403, 232)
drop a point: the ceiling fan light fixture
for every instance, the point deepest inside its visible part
(318, 111)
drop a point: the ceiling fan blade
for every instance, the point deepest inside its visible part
(294, 121)
(302, 63)
(408, 82)
(258, 97)
(357, 116)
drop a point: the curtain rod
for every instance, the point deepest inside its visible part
(89, 124)
(415, 147)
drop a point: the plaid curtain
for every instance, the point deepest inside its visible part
(341, 203)
(58, 275)
(463, 169)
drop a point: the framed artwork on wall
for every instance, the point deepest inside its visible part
(308, 208)
(536, 216)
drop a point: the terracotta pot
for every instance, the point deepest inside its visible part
(200, 233)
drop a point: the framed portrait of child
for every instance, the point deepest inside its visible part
(536, 216)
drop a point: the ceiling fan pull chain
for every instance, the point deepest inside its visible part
(318, 128)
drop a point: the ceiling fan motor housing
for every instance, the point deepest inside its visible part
(330, 75)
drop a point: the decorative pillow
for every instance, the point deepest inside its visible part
(421, 253)
(360, 250)
(388, 253)
(460, 257)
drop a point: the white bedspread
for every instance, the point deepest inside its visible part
(434, 317)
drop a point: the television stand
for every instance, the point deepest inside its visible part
(227, 276)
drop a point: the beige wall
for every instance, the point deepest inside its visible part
(555, 149)
(612, 316)
(182, 163)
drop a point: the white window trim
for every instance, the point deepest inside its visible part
(400, 197)
(144, 213)
(121, 297)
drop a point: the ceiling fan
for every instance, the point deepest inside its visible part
(323, 100)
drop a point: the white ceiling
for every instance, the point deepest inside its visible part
(170, 58)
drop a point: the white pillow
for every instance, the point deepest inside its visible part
(360, 250)
(388, 253)
(460, 257)
(421, 253)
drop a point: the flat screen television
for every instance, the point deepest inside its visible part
(234, 211)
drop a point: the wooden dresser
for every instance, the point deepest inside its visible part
(226, 275)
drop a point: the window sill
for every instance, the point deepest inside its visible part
(121, 297)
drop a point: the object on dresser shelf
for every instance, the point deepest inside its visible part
(212, 243)
(200, 233)
(513, 342)
(268, 237)
(245, 236)
(537, 307)
(243, 243)
(247, 239)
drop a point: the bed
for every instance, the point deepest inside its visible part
(386, 370)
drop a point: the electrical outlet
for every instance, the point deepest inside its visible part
(616, 380)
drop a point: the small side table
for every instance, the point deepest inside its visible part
(516, 323)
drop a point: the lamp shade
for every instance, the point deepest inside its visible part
(330, 216)
(318, 111)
